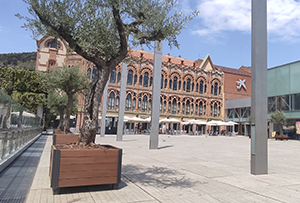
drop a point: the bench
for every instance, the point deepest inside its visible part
(281, 137)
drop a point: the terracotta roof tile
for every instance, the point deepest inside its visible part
(165, 58)
(233, 71)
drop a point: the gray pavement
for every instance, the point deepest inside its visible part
(15, 180)
(185, 169)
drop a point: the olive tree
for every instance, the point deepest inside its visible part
(100, 31)
(278, 117)
(66, 81)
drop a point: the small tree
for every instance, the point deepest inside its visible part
(100, 31)
(69, 81)
(278, 117)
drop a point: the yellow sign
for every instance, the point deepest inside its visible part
(298, 127)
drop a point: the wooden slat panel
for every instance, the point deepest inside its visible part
(87, 174)
(66, 138)
(88, 153)
(83, 167)
(87, 160)
(88, 181)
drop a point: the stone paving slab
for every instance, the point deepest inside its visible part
(185, 169)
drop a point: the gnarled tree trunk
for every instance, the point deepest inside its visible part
(91, 108)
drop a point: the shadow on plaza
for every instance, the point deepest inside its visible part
(160, 177)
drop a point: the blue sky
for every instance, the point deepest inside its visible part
(222, 30)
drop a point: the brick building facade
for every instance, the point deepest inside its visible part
(189, 89)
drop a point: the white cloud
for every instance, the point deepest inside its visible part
(235, 15)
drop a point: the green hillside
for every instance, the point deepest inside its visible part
(24, 60)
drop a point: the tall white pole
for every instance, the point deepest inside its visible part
(156, 95)
(122, 102)
(104, 106)
(259, 137)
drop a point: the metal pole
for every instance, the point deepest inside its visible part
(122, 102)
(259, 144)
(104, 106)
(156, 95)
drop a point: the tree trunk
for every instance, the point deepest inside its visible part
(68, 113)
(61, 120)
(7, 115)
(91, 108)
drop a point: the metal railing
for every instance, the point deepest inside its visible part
(13, 139)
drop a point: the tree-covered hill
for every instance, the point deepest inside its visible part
(24, 60)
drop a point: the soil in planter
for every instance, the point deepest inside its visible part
(83, 146)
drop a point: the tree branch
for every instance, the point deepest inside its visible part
(94, 57)
(123, 39)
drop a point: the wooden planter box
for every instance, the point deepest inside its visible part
(83, 167)
(64, 138)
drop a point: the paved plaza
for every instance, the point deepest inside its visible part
(185, 169)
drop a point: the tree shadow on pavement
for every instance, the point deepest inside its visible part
(161, 177)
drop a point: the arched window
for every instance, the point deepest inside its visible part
(170, 84)
(117, 101)
(146, 78)
(165, 106)
(128, 102)
(174, 105)
(53, 44)
(179, 85)
(135, 79)
(88, 73)
(166, 83)
(119, 77)
(183, 112)
(212, 89)
(141, 80)
(161, 81)
(219, 89)
(144, 105)
(197, 87)
(196, 109)
(188, 107)
(183, 86)
(188, 85)
(139, 104)
(111, 101)
(175, 83)
(169, 107)
(129, 77)
(215, 110)
(219, 111)
(151, 81)
(200, 108)
(150, 105)
(201, 87)
(192, 87)
(160, 105)
(192, 109)
(216, 89)
(178, 108)
(205, 88)
(204, 109)
(113, 76)
(133, 103)
(94, 72)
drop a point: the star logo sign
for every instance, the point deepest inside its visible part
(240, 84)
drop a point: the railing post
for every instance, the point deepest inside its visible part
(4, 145)
(11, 141)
